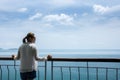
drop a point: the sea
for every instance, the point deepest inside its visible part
(9, 70)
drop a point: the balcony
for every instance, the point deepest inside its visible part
(66, 69)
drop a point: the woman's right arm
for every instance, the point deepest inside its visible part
(39, 58)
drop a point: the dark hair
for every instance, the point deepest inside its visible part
(24, 40)
(29, 35)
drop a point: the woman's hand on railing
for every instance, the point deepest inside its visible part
(49, 57)
(13, 56)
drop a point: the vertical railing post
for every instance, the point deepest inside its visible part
(70, 72)
(78, 73)
(96, 73)
(45, 70)
(1, 73)
(106, 73)
(117, 74)
(8, 71)
(87, 71)
(61, 73)
(15, 69)
(38, 74)
(51, 70)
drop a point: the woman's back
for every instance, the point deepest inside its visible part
(27, 57)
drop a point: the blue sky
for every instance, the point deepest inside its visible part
(61, 24)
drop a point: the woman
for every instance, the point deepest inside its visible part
(27, 54)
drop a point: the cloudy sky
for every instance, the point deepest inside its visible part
(61, 24)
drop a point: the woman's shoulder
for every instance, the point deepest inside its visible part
(32, 45)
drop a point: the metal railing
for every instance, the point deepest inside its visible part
(86, 69)
(66, 69)
(9, 69)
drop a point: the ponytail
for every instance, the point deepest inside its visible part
(24, 40)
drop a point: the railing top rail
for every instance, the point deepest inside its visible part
(76, 59)
(87, 59)
(6, 58)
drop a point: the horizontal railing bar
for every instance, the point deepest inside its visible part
(76, 59)
(8, 65)
(6, 58)
(17, 65)
(86, 59)
(72, 67)
(84, 67)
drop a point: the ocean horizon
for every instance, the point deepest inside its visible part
(76, 53)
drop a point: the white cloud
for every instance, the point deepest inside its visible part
(61, 2)
(105, 9)
(62, 19)
(36, 16)
(22, 10)
(100, 9)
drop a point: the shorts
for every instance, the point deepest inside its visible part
(28, 75)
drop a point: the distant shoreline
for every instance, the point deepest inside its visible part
(64, 50)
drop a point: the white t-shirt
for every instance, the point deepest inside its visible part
(27, 54)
